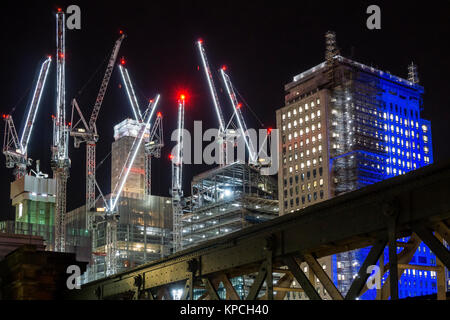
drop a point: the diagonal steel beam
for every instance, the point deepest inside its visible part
(433, 243)
(257, 284)
(210, 289)
(404, 257)
(322, 276)
(301, 278)
(444, 231)
(360, 280)
(187, 292)
(231, 293)
(284, 282)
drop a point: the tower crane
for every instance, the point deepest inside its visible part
(60, 161)
(238, 113)
(177, 178)
(15, 149)
(215, 99)
(155, 143)
(83, 131)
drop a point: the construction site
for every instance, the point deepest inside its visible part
(343, 127)
(129, 226)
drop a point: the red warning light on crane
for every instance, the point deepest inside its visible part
(170, 156)
(239, 105)
(224, 68)
(159, 114)
(182, 96)
(120, 31)
(59, 9)
(122, 61)
(269, 130)
(200, 41)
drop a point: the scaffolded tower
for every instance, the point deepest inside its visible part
(227, 199)
(412, 73)
(60, 161)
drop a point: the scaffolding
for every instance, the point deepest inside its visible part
(142, 232)
(227, 199)
(357, 148)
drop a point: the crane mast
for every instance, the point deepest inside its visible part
(60, 161)
(240, 118)
(177, 178)
(215, 99)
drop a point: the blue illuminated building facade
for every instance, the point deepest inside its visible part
(376, 132)
(344, 126)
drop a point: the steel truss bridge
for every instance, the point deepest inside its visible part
(415, 205)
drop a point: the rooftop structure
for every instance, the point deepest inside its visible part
(124, 134)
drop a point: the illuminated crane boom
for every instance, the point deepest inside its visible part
(177, 178)
(15, 150)
(104, 85)
(238, 113)
(34, 105)
(215, 99)
(130, 160)
(130, 92)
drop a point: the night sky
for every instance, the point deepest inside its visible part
(263, 43)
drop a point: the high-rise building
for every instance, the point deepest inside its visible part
(346, 125)
(125, 135)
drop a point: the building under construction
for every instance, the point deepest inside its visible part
(227, 199)
(346, 125)
(143, 230)
(143, 234)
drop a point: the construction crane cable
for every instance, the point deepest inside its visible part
(248, 106)
(100, 67)
(101, 162)
(26, 92)
(20, 100)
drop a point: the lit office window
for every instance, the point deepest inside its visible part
(424, 128)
